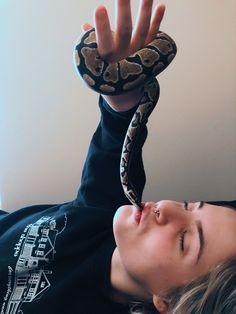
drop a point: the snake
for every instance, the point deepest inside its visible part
(114, 78)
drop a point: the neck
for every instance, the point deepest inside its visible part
(125, 287)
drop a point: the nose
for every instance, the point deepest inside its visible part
(170, 212)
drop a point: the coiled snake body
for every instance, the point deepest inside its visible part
(139, 69)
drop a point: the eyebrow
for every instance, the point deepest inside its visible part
(200, 234)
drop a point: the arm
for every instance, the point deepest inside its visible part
(100, 183)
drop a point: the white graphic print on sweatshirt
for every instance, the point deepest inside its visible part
(34, 250)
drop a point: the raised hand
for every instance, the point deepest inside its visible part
(114, 46)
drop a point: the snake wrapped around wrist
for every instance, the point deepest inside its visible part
(138, 69)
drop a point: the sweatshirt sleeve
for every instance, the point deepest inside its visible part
(100, 181)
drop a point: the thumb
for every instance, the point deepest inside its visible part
(86, 27)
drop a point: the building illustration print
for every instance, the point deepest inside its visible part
(34, 250)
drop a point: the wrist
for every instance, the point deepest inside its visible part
(126, 101)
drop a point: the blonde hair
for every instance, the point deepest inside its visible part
(214, 292)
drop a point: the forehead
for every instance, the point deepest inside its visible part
(228, 204)
(219, 225)
(222, 215)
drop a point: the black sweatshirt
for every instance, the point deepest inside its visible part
(57, 258)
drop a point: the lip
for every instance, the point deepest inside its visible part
(140, 215)
(137, 215)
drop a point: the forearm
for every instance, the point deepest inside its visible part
(100, 183)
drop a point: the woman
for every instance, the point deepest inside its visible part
(86, 256)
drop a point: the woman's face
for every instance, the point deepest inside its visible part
(171, 248)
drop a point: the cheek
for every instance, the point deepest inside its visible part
(148, 260)
(158, 247)
(147, 247)
(150, 250)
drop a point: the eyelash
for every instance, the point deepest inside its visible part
(182, 233)
(181, 240)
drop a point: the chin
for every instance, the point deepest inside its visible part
(119, 214)
(122, 220)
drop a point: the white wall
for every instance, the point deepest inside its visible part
(48, 114)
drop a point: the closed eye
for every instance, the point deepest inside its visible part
(181, 240)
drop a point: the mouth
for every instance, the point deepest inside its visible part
(137, 215)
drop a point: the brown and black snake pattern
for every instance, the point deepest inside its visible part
(138, 69)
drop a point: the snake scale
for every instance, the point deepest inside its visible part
(138, 69)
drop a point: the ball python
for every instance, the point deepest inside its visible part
(138, 69)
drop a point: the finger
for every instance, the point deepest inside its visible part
(123, 26)
(103, 33)
(156, 20)
(142, 25)
(86, 27)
